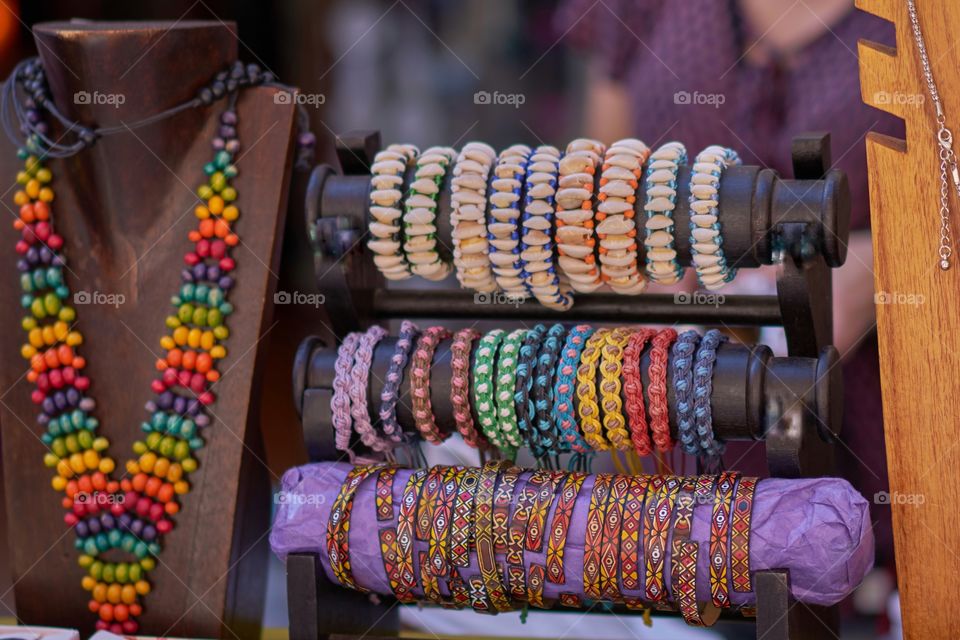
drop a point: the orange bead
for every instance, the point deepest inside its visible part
(204, 362)
(79, 363)
(172, 508)
(139, 482)
(174, 357)
(604, 181)
(113, 486)
(153, 486)
(135, 609)
(232, 240)
(84, 484)
(99, 481)
(27, 213)
(166, 493)
(42, 210)
(50, 358)
(213, 375)
(106, 612)
(189, 360)
(160, 365)
(221, 227)
(100, 592)
(194, 236)
(206, 228)
(120, 612)
(65, 353)
(94, 606)
(602, 197)
(586, 205)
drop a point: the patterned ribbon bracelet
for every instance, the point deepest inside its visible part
(706, 240)
(390, 394)
(657, 391)
(460, 387)
(720, 539)
(683, 355)
(564, 415)
(420, 384)
(740, 535)
(710, 447)
(633, 391)
(658, 511)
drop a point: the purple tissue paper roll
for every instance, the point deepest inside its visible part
(816, 528)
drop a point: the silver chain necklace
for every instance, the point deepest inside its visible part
(948, 160)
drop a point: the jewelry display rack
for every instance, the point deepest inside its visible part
(918, 353)
(793, 404)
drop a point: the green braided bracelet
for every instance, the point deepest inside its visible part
(506, 385)
(483, 387)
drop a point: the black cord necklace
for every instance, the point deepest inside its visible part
(25, 95)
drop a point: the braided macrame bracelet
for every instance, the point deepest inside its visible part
(611, 366)
(564, 415)
(544, 437)
(703, 389)
(633, 390)
(683, 352)
(506, 386)
(390, 394)
(386, 196)
(706, 241)
(420, 383)
(587, 391)
(483, 387)
(662, 264)
(340, 402)
(460, 387)
(657, 391)
(359, 408)
(526, 361)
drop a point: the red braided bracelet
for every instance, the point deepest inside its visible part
(460, 387)
(420, 383)
(657, 391)
(633, 390)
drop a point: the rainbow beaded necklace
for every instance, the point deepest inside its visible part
(133, 513)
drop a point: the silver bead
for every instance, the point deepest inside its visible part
(944, 264)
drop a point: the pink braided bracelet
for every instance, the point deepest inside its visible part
(340, 403)
(460, 387)
(360, 375)
(420, 383)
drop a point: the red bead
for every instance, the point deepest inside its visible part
(164, 526)
(22, 246)
(55, 242)
(143, 506)
(101, 625)
(206, 398)
(116, 509)
(56, 378)
(183, 378)
(227, 264)
(198, 383)
(37, 396)
(156, 511)
(169, 377)
(157, 386)
(116, 627)
(70, 519)
(190, 258)
(42, 231)
(69, 375)
(218, 249)
(43, 382)
(131, 626)
(82, 383)
(203, 248)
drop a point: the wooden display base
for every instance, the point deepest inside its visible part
(125, 207)
(918, 329)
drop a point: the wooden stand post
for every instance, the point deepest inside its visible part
(918, 310)
(124, 207)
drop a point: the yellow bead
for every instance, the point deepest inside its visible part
(180, 335)
(21, 198)
(46, 194)
(142, 587)
(28, 351)
(128, 594)
(147, 461)
(85, 561)
(44, 175)
(23, 177)
(107, 465)
(101, 443)
(132, 467)
(74, 338)
(28, 323)
(161, 468)
(181, 488)
(215, 204)
(33, 188)
(50, 459)
(76, 463)
(148, 563)
(207, 340)
(218, 352)
(189, 465)
(175, 472)
(113, 593)
(63, 468)
(58, 483)
(167, 343)
(49, 336)
(61, 330)
(201, 212)
(193, 338)
(100, 592)
(91, 459)
(36, 338)
(88, 583)
(231, 213)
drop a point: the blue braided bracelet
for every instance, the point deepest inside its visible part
(391, 386)
(564, 414)
(526, 361)
(703, 389)
(546, 436)
(683, 351)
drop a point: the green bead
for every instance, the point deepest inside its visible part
(172, 322)
(221, 332)
(85, 439)
(67, 314)
(222, 159)
(72, 445)
(37, 309)
(185, 312)
(218, 182)
(181, 450)
(153, 439)
(229, 194)
(108, 572)
(135, 572)
(59, 448)
(199, 316)
(166, 447)
(214, 318)
(205, 192)
(121, 574)
(28, 323)
(51, 304)
(96, 570)
(26, 282)
(139, 447)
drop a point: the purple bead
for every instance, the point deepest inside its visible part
(307, 139)
(48, 406)
(194, 407)
(165, 400)
(233, 146)
(179, 405)
(202, 420)
(94, 525)
(88, 404)
(108, 521)
(41, 127)
(81, 529)
(149, 533)
(225, 283)
(227, 132)
(32, 255)
(124, 520)
(219, 144)
(186, 275)
(43, 419)
(199, 271)
(60, 399)
(73, 397)
(229, 117)
(22, 265)
(136, 527)
(150, 406)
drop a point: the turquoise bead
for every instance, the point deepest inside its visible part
(128, 542)
(62, 291)
(209, 168)
(222, 159)
(26, 300)
(90, 547)
(196, 443)
(114, 538)
(230, 171)
(103, 544)
(40, 279)
(140, 549)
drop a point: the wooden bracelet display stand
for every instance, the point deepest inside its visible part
(792, 404)
(919, 351)
(124, 207)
